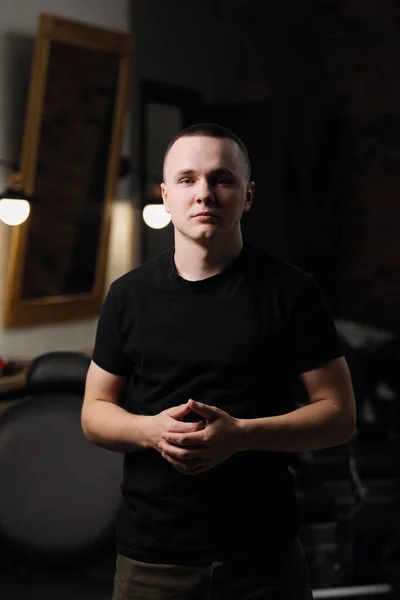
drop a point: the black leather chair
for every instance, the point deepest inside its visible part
(330, 495)
(59, 494)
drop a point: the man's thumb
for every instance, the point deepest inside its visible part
(176, 412)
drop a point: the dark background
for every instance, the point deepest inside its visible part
(313, 90)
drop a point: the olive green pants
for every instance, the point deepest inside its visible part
(279, 576)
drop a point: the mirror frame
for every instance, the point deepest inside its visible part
(19, 312)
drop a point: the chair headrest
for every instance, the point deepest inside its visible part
(60, 495)
(58, 371)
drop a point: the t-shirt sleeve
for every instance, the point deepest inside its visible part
(313, 338)
(108, 351)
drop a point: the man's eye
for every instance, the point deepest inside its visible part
(224, 181)
(185, 180)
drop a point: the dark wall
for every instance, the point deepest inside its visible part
(327, 147)
(333, 75)
(361, 60)
(245, 52)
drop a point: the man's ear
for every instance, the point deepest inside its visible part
(249, 196)
(164, 196)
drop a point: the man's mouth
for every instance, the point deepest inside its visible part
(207, 214)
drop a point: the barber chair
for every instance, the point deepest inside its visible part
(59, 494)
(328, 503)
(330, 496)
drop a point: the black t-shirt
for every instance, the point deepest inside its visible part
(237, 340)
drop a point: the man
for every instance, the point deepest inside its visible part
(207, 342)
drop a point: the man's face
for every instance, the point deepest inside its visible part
(205, 187)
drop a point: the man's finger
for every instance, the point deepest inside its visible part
(188, 468)
(178, 465)
(181, 454)
(183, 427)
(184, 439)
(204, 410)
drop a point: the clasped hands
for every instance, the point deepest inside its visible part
(209, 445)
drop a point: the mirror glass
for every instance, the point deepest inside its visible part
(69, 194)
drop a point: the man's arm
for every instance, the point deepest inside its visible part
(328, 420)
(104, 422)
(110, 426)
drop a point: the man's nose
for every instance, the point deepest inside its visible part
(204, 193)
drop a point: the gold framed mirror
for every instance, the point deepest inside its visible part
(70, 165)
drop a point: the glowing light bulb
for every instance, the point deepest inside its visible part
(14, 211)
(155, 216)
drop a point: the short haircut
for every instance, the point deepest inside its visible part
(212, 130)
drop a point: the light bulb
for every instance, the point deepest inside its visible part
(155, 216)
(14, 211)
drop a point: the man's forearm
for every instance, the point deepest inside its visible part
(311, 427)
(112, 427)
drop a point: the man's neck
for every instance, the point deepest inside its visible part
(195, 261)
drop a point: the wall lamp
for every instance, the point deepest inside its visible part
(14, 202)
(153, 212)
